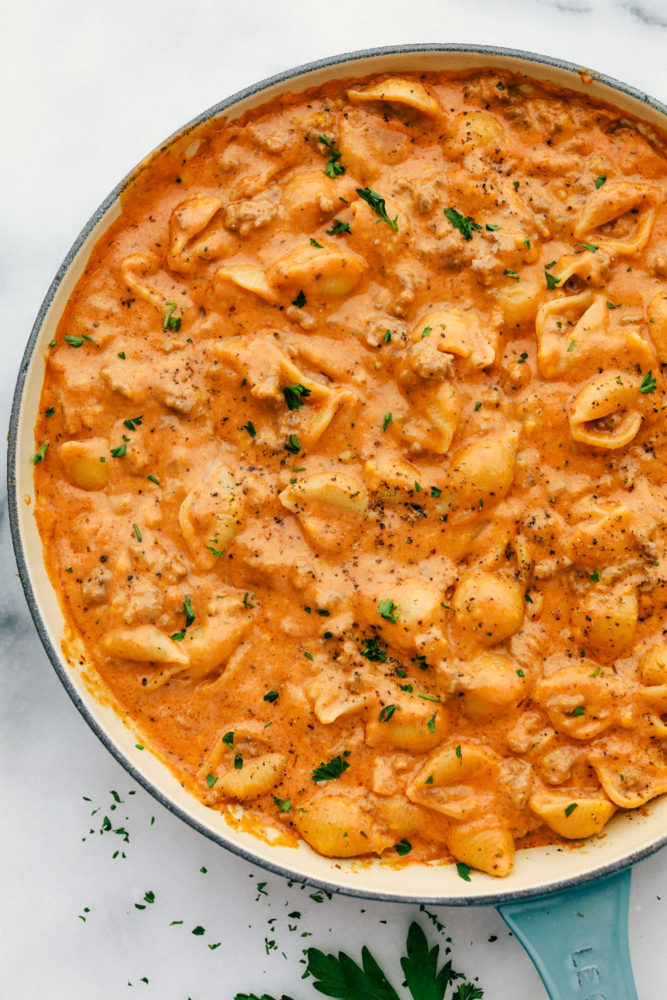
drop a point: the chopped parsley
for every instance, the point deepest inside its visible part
(403, 847)
(154, 479)
(551, 280)
(588, 246)
(137, 531)
(338, 228)
(247, 601)
(377, 203)
(571, 347)
(73, 341)
(293, 395)
(332, 769)
(213, 550)
(426, 332)
(464, 871)
(119, 451)
(579, 711)
(570, 809)
(271, 696)
(373, 651)
(491, 227)
(431, 723)
(464, 223)
(250, 428)
(133, 423)
(121, 355)
(284, 805)
(435, 490)
(228, 738)
(238, 762)
(523, 358)
(594, 576)
(170, 322)
(333, 167)
(189, 613)
(648, 384)
(387, 336)
(610, 305)
(49, 412)
(292, 445)
(40, 454)
(599, 181)
(314, 243)
(388, 419)
(511, 274)
(387, 712)
(211, 780)
(300, 300)
(388, 610)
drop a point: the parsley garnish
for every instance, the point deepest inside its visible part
(250, 428)
(579, 710)
(610, 305)
(300, 300)
(435, 490)
(464, 223)
(314, 243)
(464, 871)
(571, 347)
(570, 809)
(523, 358)
(588, 246)
(338, 228)
(73, 341)
(511, 274)
(238, 762)
(49, 412)
(40, 454)
(215, 552)
(170, 322)
(271, 696)
(292, 445)
(373, 651)
(403, 847)
(387, 336)
(189, 613)
(121, 355)
(374, 201)
(247, 601)
(552, 280)
(284, 805)
(211, 780)
(133, 423)
(119, 451)
(595, 576)
(388, 610)
(387, 711)
(599, 181)
(293, 394)
(137, 531)
(332, 769)
(388, 419)
(154, 479)
(648, 384)
(333, 167)
(228, 738)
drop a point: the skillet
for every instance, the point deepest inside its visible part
(567, 906)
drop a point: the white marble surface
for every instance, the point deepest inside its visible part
(88, 89)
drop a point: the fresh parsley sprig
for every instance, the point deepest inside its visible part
(464, 223)
(333, 167)
(377, 203)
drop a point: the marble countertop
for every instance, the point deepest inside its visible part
(89, 89)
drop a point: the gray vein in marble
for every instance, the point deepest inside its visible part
(646, 16)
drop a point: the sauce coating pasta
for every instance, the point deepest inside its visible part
(355, 478)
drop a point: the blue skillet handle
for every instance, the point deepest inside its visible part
(578, 939)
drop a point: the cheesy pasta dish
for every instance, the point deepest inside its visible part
(350, 465)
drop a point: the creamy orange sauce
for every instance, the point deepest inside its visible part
(354, 487)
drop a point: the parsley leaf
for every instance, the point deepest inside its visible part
(332, 769)
(388, 419)
(552, 280)
(570, 809)
(271, 696)
(133, 423)
(464, 870)
(73, 341)
(293, 394)
(648, 384)
(388, 610)
(403, 847)
(119, 451)
(464, 223)
(341, 977)
(338, 228)
(300, 300)
(314, 243)
(420, 967)
(333, 167)
(40, 454)
(511, 274)
(373, 199)
(189, 613)
(599, 181)
(170, 322)
(292, 445)
(387, 711)
(250, 428)
(588, 246)
(373, 651)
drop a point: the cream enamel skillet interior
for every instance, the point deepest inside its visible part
(629, 836)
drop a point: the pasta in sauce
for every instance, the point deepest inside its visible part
(351, 463)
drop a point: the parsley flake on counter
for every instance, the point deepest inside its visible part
(403, 847)
(198, 931)
(464, 223)
(333, 167)
(250, 428)
(40, 454)
(648, 384)
(300, 300)
(387, 711)
(332, 769)
(388, 610)
(293, 395)
(338, 228)
(170, 322)
(599, 181)
(388, 419)
(292, 445)
(377, 204)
